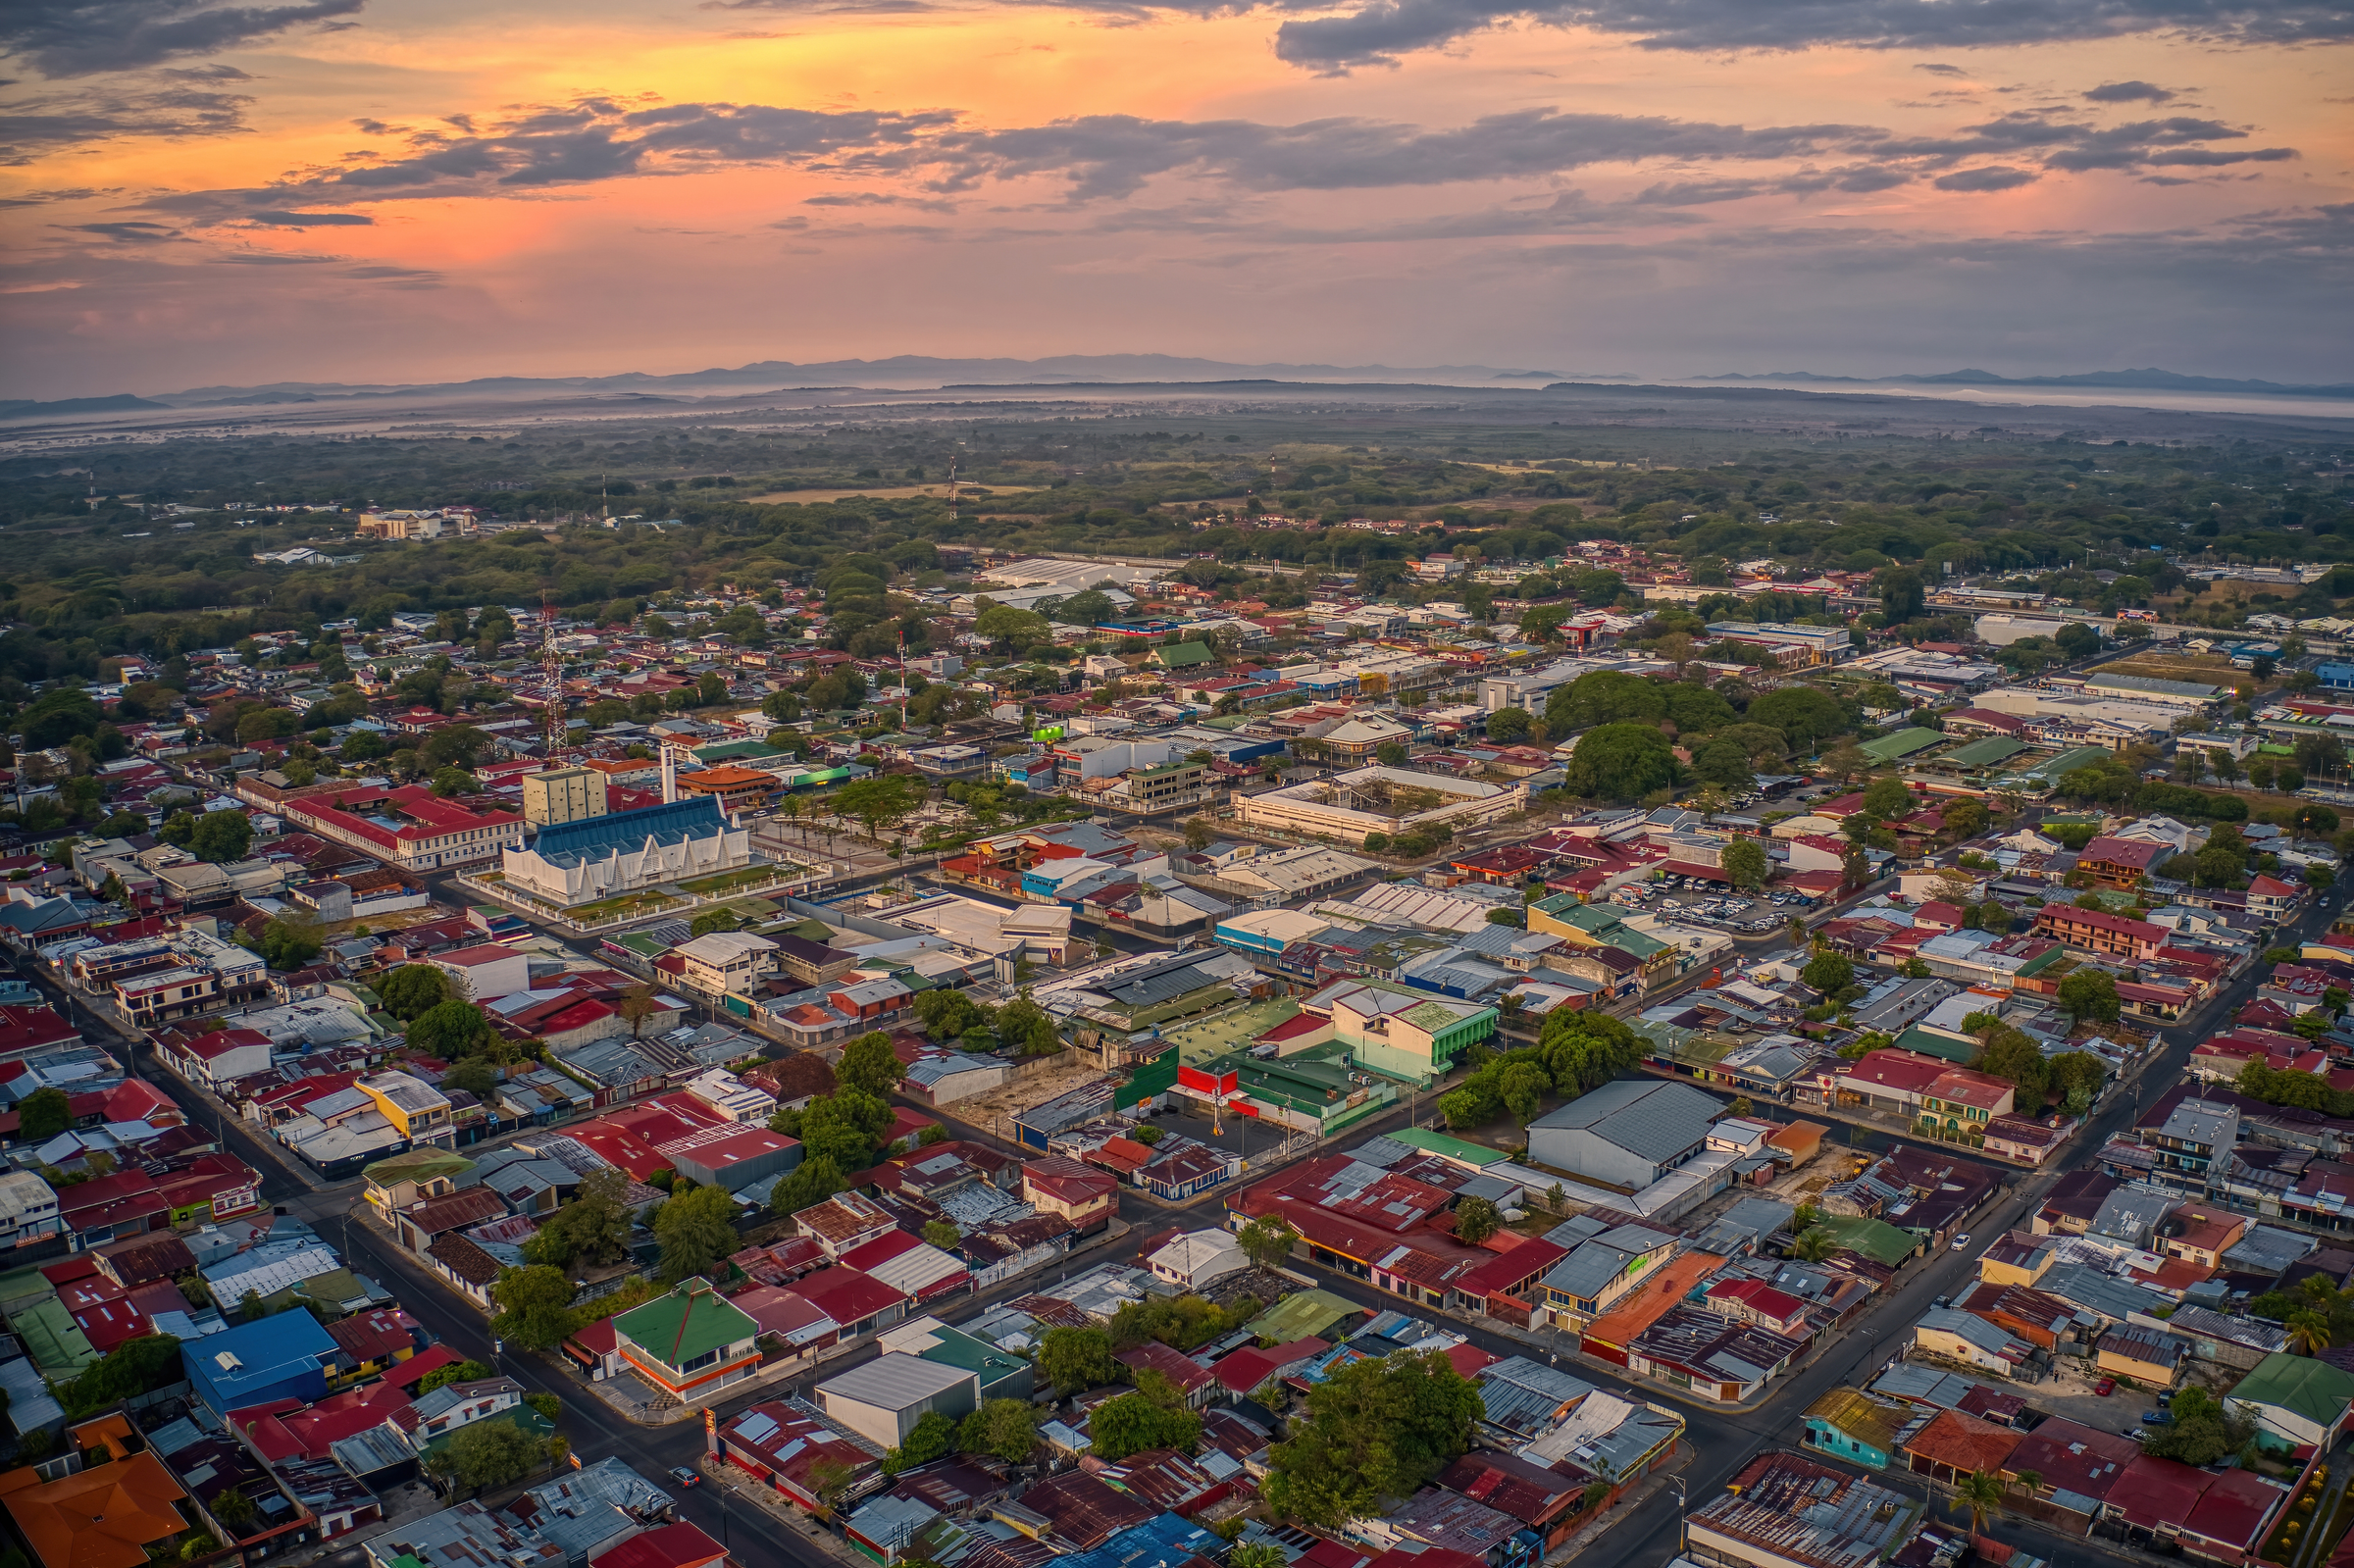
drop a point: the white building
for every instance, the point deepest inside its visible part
(725, 961)
(577, 862)
(1343, 807)
(1194, 1260)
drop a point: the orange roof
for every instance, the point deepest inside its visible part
(1654, 1299)
(102, 1517)
(727, 776)
(1964, 1443)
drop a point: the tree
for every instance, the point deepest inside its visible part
(1256, 1555)
(1378, 1428)
(593, 1228)
(869, 1064)
(1510, 725)
(1134, 1423)
(1724, 762)
(2308, 1333)
(1815, 1246)
(220, 837)
(1828, 973)
(234, 1510)
(2204, 1430)
(1475, 1220)
(133, 1367)
(1745, 862)
(43, 1114)
(488, 1454)
(2090, 993)
(815, 1179)
(1621, 762)
(534, 1306)
(1003, 1429)
(941, 1233)
(1075, 1361)
(1981, 1494)
(1903, 595)
(450, 1029)
(412, 991)
(1887, 799)
(1801, 713)
(698, 1232)
(1028, 1028)
(1266, 1241)
(635, 1007)
(292, 941)
(476, 1076)
(1199, 833)
(457, 1372)
(844, 1127)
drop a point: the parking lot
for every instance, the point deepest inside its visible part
(1699, 903)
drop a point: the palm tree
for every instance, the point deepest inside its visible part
(2308, 1333)
(1981, 1494)
(1815, 1246)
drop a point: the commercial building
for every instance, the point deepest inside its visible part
(883, 1399)
(689, 1344)
(1629, 1131)
(1350, 806)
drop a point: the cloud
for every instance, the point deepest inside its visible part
(1378, 32)
(1942, 71)
(82, 37)
(877, 198)
(2128, 93)
(32, 126)
(1113, 154)
(271, 220)
(394, 274)
(1994, 177)
(127, 234)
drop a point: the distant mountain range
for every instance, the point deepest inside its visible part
(1126, 371)
(2151, 381)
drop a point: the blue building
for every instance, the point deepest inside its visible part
(279, 1357)
(2338, 677)
(1859, 1427)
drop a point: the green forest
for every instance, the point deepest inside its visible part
(148, 547)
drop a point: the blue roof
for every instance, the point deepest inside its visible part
(572, 844)
(284, 1348)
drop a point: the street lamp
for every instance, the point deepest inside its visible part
(1681, 1501)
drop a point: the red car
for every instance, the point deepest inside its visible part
(2105, 1387)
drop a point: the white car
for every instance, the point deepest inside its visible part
(1962, 1242)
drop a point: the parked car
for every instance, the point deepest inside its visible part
(2104, 1387)
(2157, 1418)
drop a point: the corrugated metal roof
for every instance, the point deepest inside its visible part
(1652, 1120)
(895, 1380)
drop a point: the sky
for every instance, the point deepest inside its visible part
(200, 193)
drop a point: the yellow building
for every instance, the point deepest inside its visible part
(419, 1111)
(563, 794)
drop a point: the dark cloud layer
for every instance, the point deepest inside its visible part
(82, 37)
(1378, 32)
(2128, 93)
(35, 126)
(1112, 157)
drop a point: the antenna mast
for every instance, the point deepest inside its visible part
(552, 663)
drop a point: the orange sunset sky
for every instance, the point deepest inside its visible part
(410, 190)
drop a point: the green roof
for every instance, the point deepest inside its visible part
(52, 1338)
(1182, 655)
(1214, 1034)
(2301, 1384)
(1434, 1017)
(729, 751)
(1297, 1317)
(1876, 1239)
(953, 1348)
(1448, 1148)
(691, 1320)
(1902, 743)
(1986, 753)
(1916, 1038)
